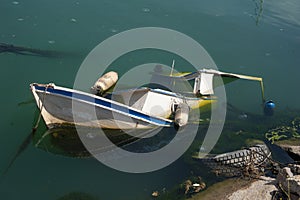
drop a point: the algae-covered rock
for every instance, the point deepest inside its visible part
(286, 131)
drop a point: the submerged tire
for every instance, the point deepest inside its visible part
(232, 163)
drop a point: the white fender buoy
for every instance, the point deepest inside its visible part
(104, 82)
(182, 114)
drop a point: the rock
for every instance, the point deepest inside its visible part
(295, 169)
(187, 185)
(292, 150)
(294, 184)
(289, 183)
(261, 189)
(286, 172)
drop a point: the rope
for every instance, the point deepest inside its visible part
(40, 140)
(27, 141)
(41, 106)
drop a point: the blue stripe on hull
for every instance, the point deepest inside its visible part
(103, 103)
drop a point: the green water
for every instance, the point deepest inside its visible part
(260, 38)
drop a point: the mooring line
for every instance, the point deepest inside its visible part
(28, 139)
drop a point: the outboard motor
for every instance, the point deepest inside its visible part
(104, 83)
(181, 114)
(269, 107)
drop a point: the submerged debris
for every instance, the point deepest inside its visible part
(78, 196)
(9, 48)
(155, 194)
(193, 186)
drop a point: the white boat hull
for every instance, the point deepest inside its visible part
(60, 105)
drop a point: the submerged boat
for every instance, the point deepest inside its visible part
(136, 108)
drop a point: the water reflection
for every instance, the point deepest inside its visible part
(61, 140)
(65, 140)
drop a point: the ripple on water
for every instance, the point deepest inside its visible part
(146, 9)
(51, 41)
(113, 30)
(73, 20)
(283, 13)
(267, 54)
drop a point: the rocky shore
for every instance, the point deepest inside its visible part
(288, 180)
(282, 181)
(285, 186)
(257, 158)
